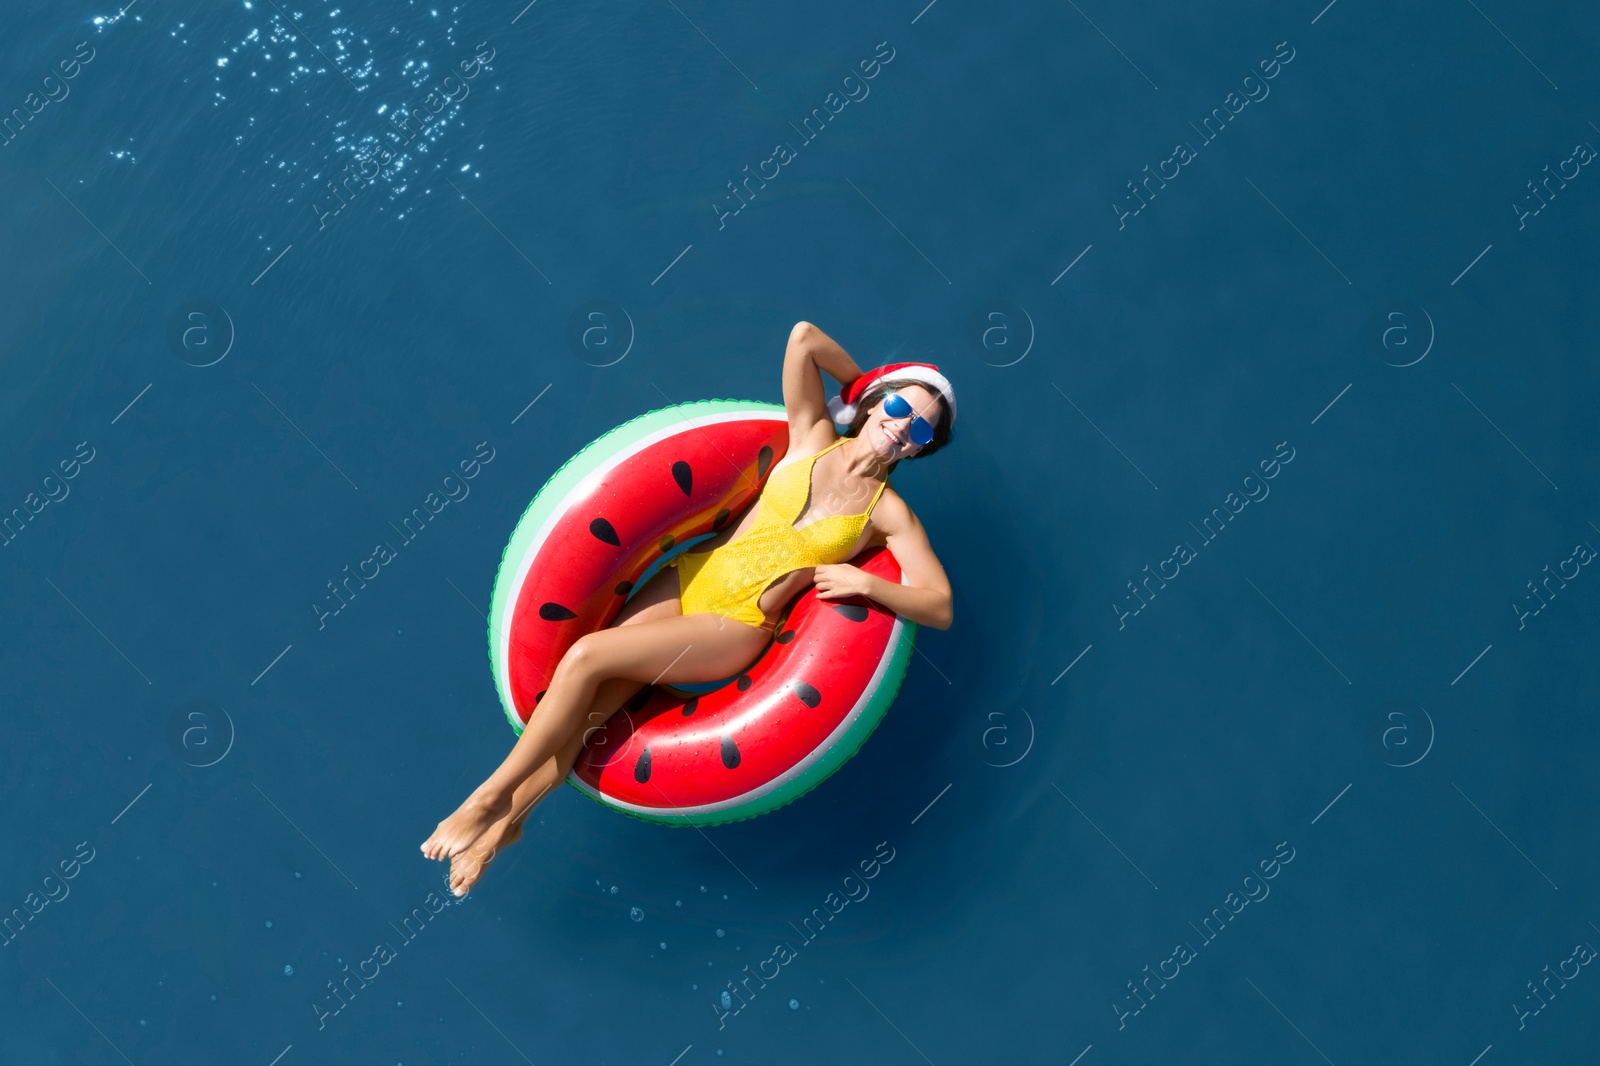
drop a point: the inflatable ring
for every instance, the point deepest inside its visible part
(604, 521)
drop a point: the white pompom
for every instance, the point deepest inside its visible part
(842, 413)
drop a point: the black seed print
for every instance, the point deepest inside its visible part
(666, 543)
(641, 769)
(640, 698)
(808, 695)
(537, 696)
(721, 519)
(786, 636)
(554, 612)
(689, 708)
(730, 753)
(683, 475)
(605, 531)
(763, 460)
(623, 588)
(743, 682)
(853, 611)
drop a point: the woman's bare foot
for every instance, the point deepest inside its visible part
(467, 867)
(468, 823)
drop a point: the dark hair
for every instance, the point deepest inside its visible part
(875, 395)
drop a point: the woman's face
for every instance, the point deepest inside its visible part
(891, 437)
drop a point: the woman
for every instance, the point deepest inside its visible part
(717, 615)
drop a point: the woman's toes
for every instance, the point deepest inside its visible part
(460, 877)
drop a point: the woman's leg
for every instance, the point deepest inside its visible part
(686, 649)
(657, 599)
(468, 866)
(608, 700)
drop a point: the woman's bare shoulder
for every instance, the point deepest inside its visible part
(891, 513)
(808, 442)
(891, 497)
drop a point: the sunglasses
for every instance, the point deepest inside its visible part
(896, 406)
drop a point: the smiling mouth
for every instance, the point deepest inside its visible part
(891, 438)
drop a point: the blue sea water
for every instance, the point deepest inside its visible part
(1265, 729)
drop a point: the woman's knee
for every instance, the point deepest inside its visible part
(588, 659)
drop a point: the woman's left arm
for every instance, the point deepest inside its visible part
(923, 598)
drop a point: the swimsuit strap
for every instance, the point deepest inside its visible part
(881, 486)
(805, 483)
(829, 448)
(811, 459)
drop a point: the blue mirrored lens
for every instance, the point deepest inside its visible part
(897, 406)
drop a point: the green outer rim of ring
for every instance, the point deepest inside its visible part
(565, 479)
(556, 489)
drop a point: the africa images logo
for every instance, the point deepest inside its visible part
(856, 90)
(785, 952)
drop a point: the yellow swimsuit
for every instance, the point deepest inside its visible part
(730, 580)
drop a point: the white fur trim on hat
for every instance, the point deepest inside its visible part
(844, 413)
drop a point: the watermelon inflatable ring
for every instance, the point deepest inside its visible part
(602, 524)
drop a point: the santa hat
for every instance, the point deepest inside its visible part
(842, 407)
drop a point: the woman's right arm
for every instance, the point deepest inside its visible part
(804, 397)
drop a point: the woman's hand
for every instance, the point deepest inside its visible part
(839, 581)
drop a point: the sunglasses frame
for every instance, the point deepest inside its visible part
(916, 419)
